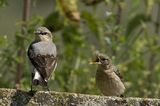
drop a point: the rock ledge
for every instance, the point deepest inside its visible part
(14, 97)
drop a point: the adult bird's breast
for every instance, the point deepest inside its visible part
(45, 48)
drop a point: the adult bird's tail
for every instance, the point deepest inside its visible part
(38, 80)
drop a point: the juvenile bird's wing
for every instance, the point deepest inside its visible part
(44, 63)
(116, 71)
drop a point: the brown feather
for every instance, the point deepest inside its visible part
(44, 64)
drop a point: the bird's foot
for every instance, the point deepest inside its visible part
(121, 96)
(48, 89)
(31, 92)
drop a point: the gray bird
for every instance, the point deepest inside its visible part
(108, 79)
(42, 55)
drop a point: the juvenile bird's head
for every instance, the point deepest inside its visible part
(102, 60)
(42, 34)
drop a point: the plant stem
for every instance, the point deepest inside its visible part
(119, 14)
(20, 53)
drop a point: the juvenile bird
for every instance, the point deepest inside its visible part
(108, 78)
(42, 54)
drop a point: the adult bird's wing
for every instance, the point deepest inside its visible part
(45, 64)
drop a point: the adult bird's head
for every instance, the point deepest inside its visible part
(102, 60)
(42, 34)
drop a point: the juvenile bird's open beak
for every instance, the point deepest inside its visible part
(95, 61)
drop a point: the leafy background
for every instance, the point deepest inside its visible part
(127, 31)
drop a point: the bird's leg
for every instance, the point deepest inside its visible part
(46, 84)
(48, 88)
(32, 83)
(31, 88)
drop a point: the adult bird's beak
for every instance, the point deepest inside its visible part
(95, 61)
(36, 32)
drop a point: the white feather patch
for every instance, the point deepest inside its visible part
(37, 75)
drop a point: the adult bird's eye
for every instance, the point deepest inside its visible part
(43, 33)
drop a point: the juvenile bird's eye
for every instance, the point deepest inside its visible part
(104, 59)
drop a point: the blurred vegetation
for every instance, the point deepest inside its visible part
(127, 31)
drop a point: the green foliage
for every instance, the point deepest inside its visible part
(132, 43)
(3, 40)
(136, 22)
(91, 22)
(3, 3)
(54, 21)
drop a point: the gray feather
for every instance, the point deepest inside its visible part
(44, 48)
(43, 56)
